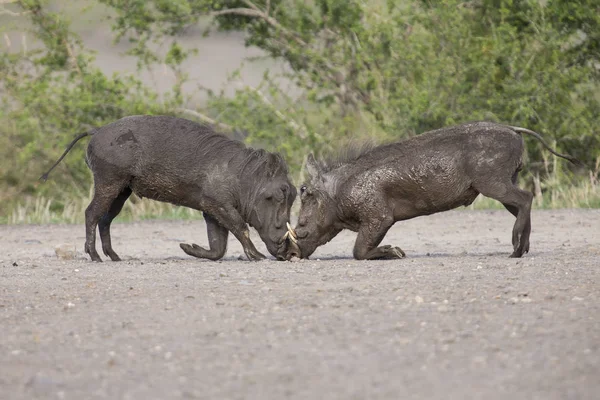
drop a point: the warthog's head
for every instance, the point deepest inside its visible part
(270, 214)
(318, 214)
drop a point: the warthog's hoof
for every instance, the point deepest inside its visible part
(397, 252)
(392, 252)
(188, 249)
(200, 252)
(386, 252)
(255, 255)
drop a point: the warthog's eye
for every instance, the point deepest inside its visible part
(302, 189)
(276, 195)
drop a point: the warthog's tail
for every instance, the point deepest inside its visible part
(44, 177)
(546, 145)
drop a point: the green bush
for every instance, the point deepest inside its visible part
(379, 70)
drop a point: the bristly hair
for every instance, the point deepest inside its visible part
(255, 167)
(259, 162)
(345, 155)
(258, 167)
(248, 161)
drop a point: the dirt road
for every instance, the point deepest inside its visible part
(457, 319)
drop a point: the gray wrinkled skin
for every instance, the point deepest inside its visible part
(436, 171)
(184, 163)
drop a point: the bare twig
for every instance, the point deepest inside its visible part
(324, 65)
(296, 127)
(72, 56)
(251, 5)
(204, 118)
(5, 11)
(256, 13)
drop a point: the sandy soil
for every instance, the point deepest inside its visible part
(457, 319)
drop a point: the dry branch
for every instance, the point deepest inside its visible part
(204, 118)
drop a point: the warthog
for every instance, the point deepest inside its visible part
(184, 163)
(436, 171)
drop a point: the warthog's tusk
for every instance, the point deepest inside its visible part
(292, 238)
(291, 234)
(291, 230)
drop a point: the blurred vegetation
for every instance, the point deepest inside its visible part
(372, 69)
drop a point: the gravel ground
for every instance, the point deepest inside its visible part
(456, 319)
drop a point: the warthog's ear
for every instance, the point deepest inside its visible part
(314, 169)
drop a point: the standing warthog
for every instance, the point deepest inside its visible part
(436, 171)
(184, 163)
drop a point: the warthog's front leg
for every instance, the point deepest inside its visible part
(251, 252)
(370, 235)
(217, 241)
(230, 219)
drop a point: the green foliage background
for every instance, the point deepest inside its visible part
(371, 69)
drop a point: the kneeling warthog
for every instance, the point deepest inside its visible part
(184, 163)
(436, 171)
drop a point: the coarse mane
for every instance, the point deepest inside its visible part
(346, 155)
(258, 163)
(255, 167)
(262, 165)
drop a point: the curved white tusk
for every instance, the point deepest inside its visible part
(291, 231)
(293, 239)
(290, 234)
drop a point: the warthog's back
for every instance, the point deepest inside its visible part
(149, 144)
(465, 142)
(434, 171)
(164, 158)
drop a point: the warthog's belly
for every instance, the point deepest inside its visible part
(163, 188)
(426, 204)
(462, 199)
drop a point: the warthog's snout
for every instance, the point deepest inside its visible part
(290, 240)
(292, 251)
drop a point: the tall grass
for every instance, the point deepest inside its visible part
(584, 195)
(552, 192)
(555, 192)
(42, 210)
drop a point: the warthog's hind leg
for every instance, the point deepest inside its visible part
(526, 232)
(369, 236)
(217, 241)
(105, 221)
(518, 202)
(105, 194)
